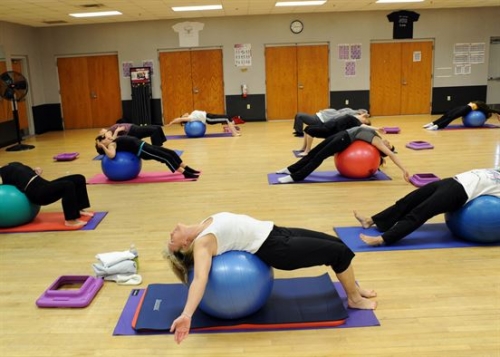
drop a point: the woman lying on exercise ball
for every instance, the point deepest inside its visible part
(420, 205)
(279, 247)
(335, 144)
(71, 189)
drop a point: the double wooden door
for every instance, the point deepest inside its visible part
(90, 91)
(191, 79)
(297, 80)
(401, 78)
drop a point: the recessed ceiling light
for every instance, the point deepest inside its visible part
(396, 1)
(96, 14)
(197, 8)
(300, 3)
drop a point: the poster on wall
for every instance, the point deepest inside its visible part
(243, 55)
(126, 65)
(149, 64)
(140, 75)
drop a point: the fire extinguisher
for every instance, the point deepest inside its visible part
(244, 90)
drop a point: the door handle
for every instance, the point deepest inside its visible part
(195, 90)
(404, 82)
(93, 95)
(301, 86)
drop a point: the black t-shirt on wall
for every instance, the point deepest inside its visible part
(403, 23)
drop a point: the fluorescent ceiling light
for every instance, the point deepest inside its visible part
(396, 1)
(197, 8)
(300, 3)
(96, 14)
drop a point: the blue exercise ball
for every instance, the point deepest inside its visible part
(474, 119)
(15, 208)
(239, 284)
(123, 167)
(477, 221)
(195, 129)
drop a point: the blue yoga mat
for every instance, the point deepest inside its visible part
(301, 301)
(326, 176)
(429, 236)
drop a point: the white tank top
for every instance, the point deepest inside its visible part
(480, 182)
(198, 115)
(237, 232)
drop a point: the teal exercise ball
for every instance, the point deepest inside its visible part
(477, 221)
(15, 208)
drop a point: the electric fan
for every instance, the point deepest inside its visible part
(14, 87)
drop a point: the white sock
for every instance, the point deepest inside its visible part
(428, 125)
(286, 179)
(284, 171)
(434, 127)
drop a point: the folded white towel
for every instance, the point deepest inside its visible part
(124, 267)
(125, 279)
(112, 258)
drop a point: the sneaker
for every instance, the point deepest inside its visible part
(298, 135)
(434, 127)
(428, 125)
(238, 120)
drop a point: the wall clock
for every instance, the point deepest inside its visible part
(296, 26)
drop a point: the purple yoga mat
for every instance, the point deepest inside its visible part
(357, 318)
(144, 177)
(94, 221)
(213, 135)
(327, 176)
(460, 126)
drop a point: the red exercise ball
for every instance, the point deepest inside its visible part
(359, 160)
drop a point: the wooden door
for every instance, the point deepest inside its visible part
(385, 78)
(208, 84)
(5, 104)
(400, 78)
(104, 85)
(281, 82)
(313, 78)
(176, 84)
(90, 91)
(191, 80)
(297, 80)
(416, 73)
(21, 105)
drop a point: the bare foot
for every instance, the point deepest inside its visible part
(367, 293)
(88, 214)
(362, 304)
(365, 222)
(373, 241)
(75, 223)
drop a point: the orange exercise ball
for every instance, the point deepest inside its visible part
(359, 160)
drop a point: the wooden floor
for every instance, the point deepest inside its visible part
(441, 302)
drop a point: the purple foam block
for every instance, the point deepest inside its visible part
(419, 145)
(54, 296)
(420, 180)
(67, 156)
(391, 129)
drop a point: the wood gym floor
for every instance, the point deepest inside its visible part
(438, 302)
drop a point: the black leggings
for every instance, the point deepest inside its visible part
(155, 132)
(71, 189)
(328, 147)
(161, 154)
(417, 207)
(218, 119)
(295, 248)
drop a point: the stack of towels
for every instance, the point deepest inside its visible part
(120, 267)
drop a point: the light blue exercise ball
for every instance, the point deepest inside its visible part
(15, 208)
(239, 284)
(474, 119)
(477, 221)
(195, 129)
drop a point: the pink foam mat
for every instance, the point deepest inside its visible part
(144, 177)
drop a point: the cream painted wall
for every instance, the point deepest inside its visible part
(140, 41)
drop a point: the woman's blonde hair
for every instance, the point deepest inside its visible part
(180, 262)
